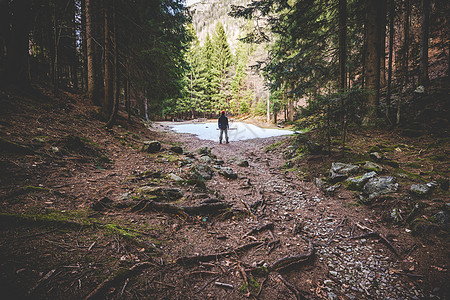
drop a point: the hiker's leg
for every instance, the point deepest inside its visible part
(221, 135)
(226, 135)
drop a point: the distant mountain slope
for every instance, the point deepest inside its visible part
(207, 13)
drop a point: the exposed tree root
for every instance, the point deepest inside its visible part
(289, 261)
(115, 279)
(208, 257)
(202, 209)
(268, 226)
(330, 239)
(374, 233)
(291, 287)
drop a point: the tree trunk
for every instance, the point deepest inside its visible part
(93, 84)
(423, 72)
(116, 78)
(17, 45)
(406, 25)
(4, 33)
(405, 63)
(83, 77)
(109, 89)
(291, 110)
(391, 53)
(364, 54)
(374, 16)
(75, 62)
(383, 7)
(342, 43)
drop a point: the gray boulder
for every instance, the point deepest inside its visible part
(227, 172)
(332, 189)
(176, 149)
(379, 186)
(442, 218)
(174, 177)
(206, 159)
(320, 183)
(204, 171)
(370, 166)
(186, 161)
(377, 156)
(357, 183)
(151, 146)
(204, 151)
(162, 194)
(420, 189)
(340, 171)
(242, 163)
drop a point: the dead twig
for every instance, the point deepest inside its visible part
(225, 285)
(244, 277)
(203, 287)
(38, 234)
(165, 284)
(376, 234)
(249, 210)
(261, 287)
(121, 275)
(259, 228)
(341, 224)
(272, 246)
(291, 287)
(124, 286)
(202, 273)
(41, 281)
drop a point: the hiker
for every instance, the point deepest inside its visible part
(223, 126)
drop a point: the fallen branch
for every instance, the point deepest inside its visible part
(203, 287)
(335, 230)
(208, 257)
(203, 273)
(272, 246)
(202, 209)
(376, 234)
(118, 277)
(249, 210)
(40, 281)
(244, 277)
(225, 285)
(149, 205)
(289, 261)
(268, 226)
(261, 287)
(291, 287)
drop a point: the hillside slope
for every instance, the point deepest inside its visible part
(92, 212)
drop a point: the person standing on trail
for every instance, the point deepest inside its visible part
(223, 126)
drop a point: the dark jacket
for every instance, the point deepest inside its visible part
(223, 122)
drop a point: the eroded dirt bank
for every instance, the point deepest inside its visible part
(86, 213)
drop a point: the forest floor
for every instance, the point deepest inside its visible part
(86, 214)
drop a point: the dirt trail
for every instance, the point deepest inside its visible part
(54, 245)
(353, 268)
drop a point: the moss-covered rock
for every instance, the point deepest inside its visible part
(162, 194)
(151, 146)
(357, 183)
(370, 166)
(391, 163)
(422, 226)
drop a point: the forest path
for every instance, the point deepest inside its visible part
(54, 221)
(365, 267)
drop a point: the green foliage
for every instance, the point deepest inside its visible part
(332, 114)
